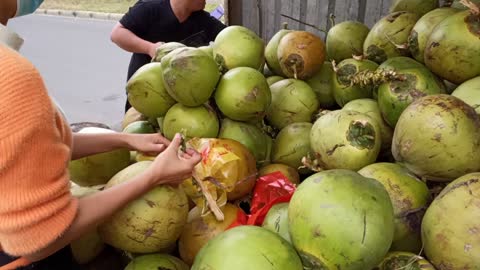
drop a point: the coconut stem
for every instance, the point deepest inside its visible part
(212, 204)
(331, 17)
(285, 25)
(374, 78)
(311, 163)
(398, 46)
(295, 72)
(474, 8)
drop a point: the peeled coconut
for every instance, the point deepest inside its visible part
(423, 28)
(431, 133)
(157, 261)
(321, 83)
(166, 48)
(390, 31)
(190, 76)
(247, 247)
(151, 223)
(292, 144)
(410, 198)
(450, 228)
(345, 89)
(271, 49)
(147, 93)
(469, 92)
(289, 172)
(339, 219)
(345, 39)
(344, 139)
(301, 54)
(238, 46)
(243, 94)
(370, 107)
(404, 260)
(452, 48)
(200, 230)
(276, 220)
(293, 101)
(419, 7)
(97, 169)
(201, 121)
(250, 136)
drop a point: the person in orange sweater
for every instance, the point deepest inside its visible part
(38, 215)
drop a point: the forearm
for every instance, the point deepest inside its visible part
(90, 215)
(86, 144)
(130, 42)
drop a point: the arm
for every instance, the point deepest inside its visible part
(130, 42)
(168, 168)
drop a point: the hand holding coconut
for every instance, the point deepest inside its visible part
(173, 166)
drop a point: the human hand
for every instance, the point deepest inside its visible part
(148, 144)
(153, 49)
(173, 166)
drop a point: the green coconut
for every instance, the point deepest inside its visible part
(457, 5)
(410, 198)
(450, 228)
(146, 91)
(139, 127)
(238, 46)
(321, 83)
(271, 52)
(293, 101)
(344, 139)
(370, 107)
(276, 220)
(419, 7)
(344, 40)
(404, 260)
(190, 76)
(452, 49)
(344, 88)
(388, 36)
(273, 79)
(414, 81)
(201, 122)
(86, 248)
(157, 262)
(97, 169)
(249, 135)
(339, 219)
(289, 172)
(132, 115)
(292, 144)
(431, 133)
(243, 94)
(423, 28)
(151, 223)
(164, 49)
(247, 247)
(469, 92)
(207, 49)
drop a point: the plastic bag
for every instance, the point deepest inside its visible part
(227, 171)
(269, 190)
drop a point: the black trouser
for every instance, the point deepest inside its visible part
(61, 260)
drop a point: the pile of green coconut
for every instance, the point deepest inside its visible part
(378, 129)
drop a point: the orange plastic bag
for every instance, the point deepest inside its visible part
(227, 172)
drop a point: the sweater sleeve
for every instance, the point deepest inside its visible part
(36, 206)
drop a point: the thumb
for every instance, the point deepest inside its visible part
(175, 143)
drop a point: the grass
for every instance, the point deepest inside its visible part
(109, 6)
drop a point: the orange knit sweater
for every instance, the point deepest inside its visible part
(36, 206)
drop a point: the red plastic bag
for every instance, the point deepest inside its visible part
(269, 190)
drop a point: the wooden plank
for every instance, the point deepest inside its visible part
(269, 21)
(373, 12)
(303, 13)
(287, 9)
(235, 12)
(362, 9)
(322, 17)
(331, 12)
(250, 20)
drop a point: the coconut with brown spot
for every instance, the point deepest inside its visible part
(289, 172)
(451, 227)
(301, 54)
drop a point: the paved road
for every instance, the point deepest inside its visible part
(83, 70)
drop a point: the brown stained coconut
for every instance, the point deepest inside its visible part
(301, 54)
